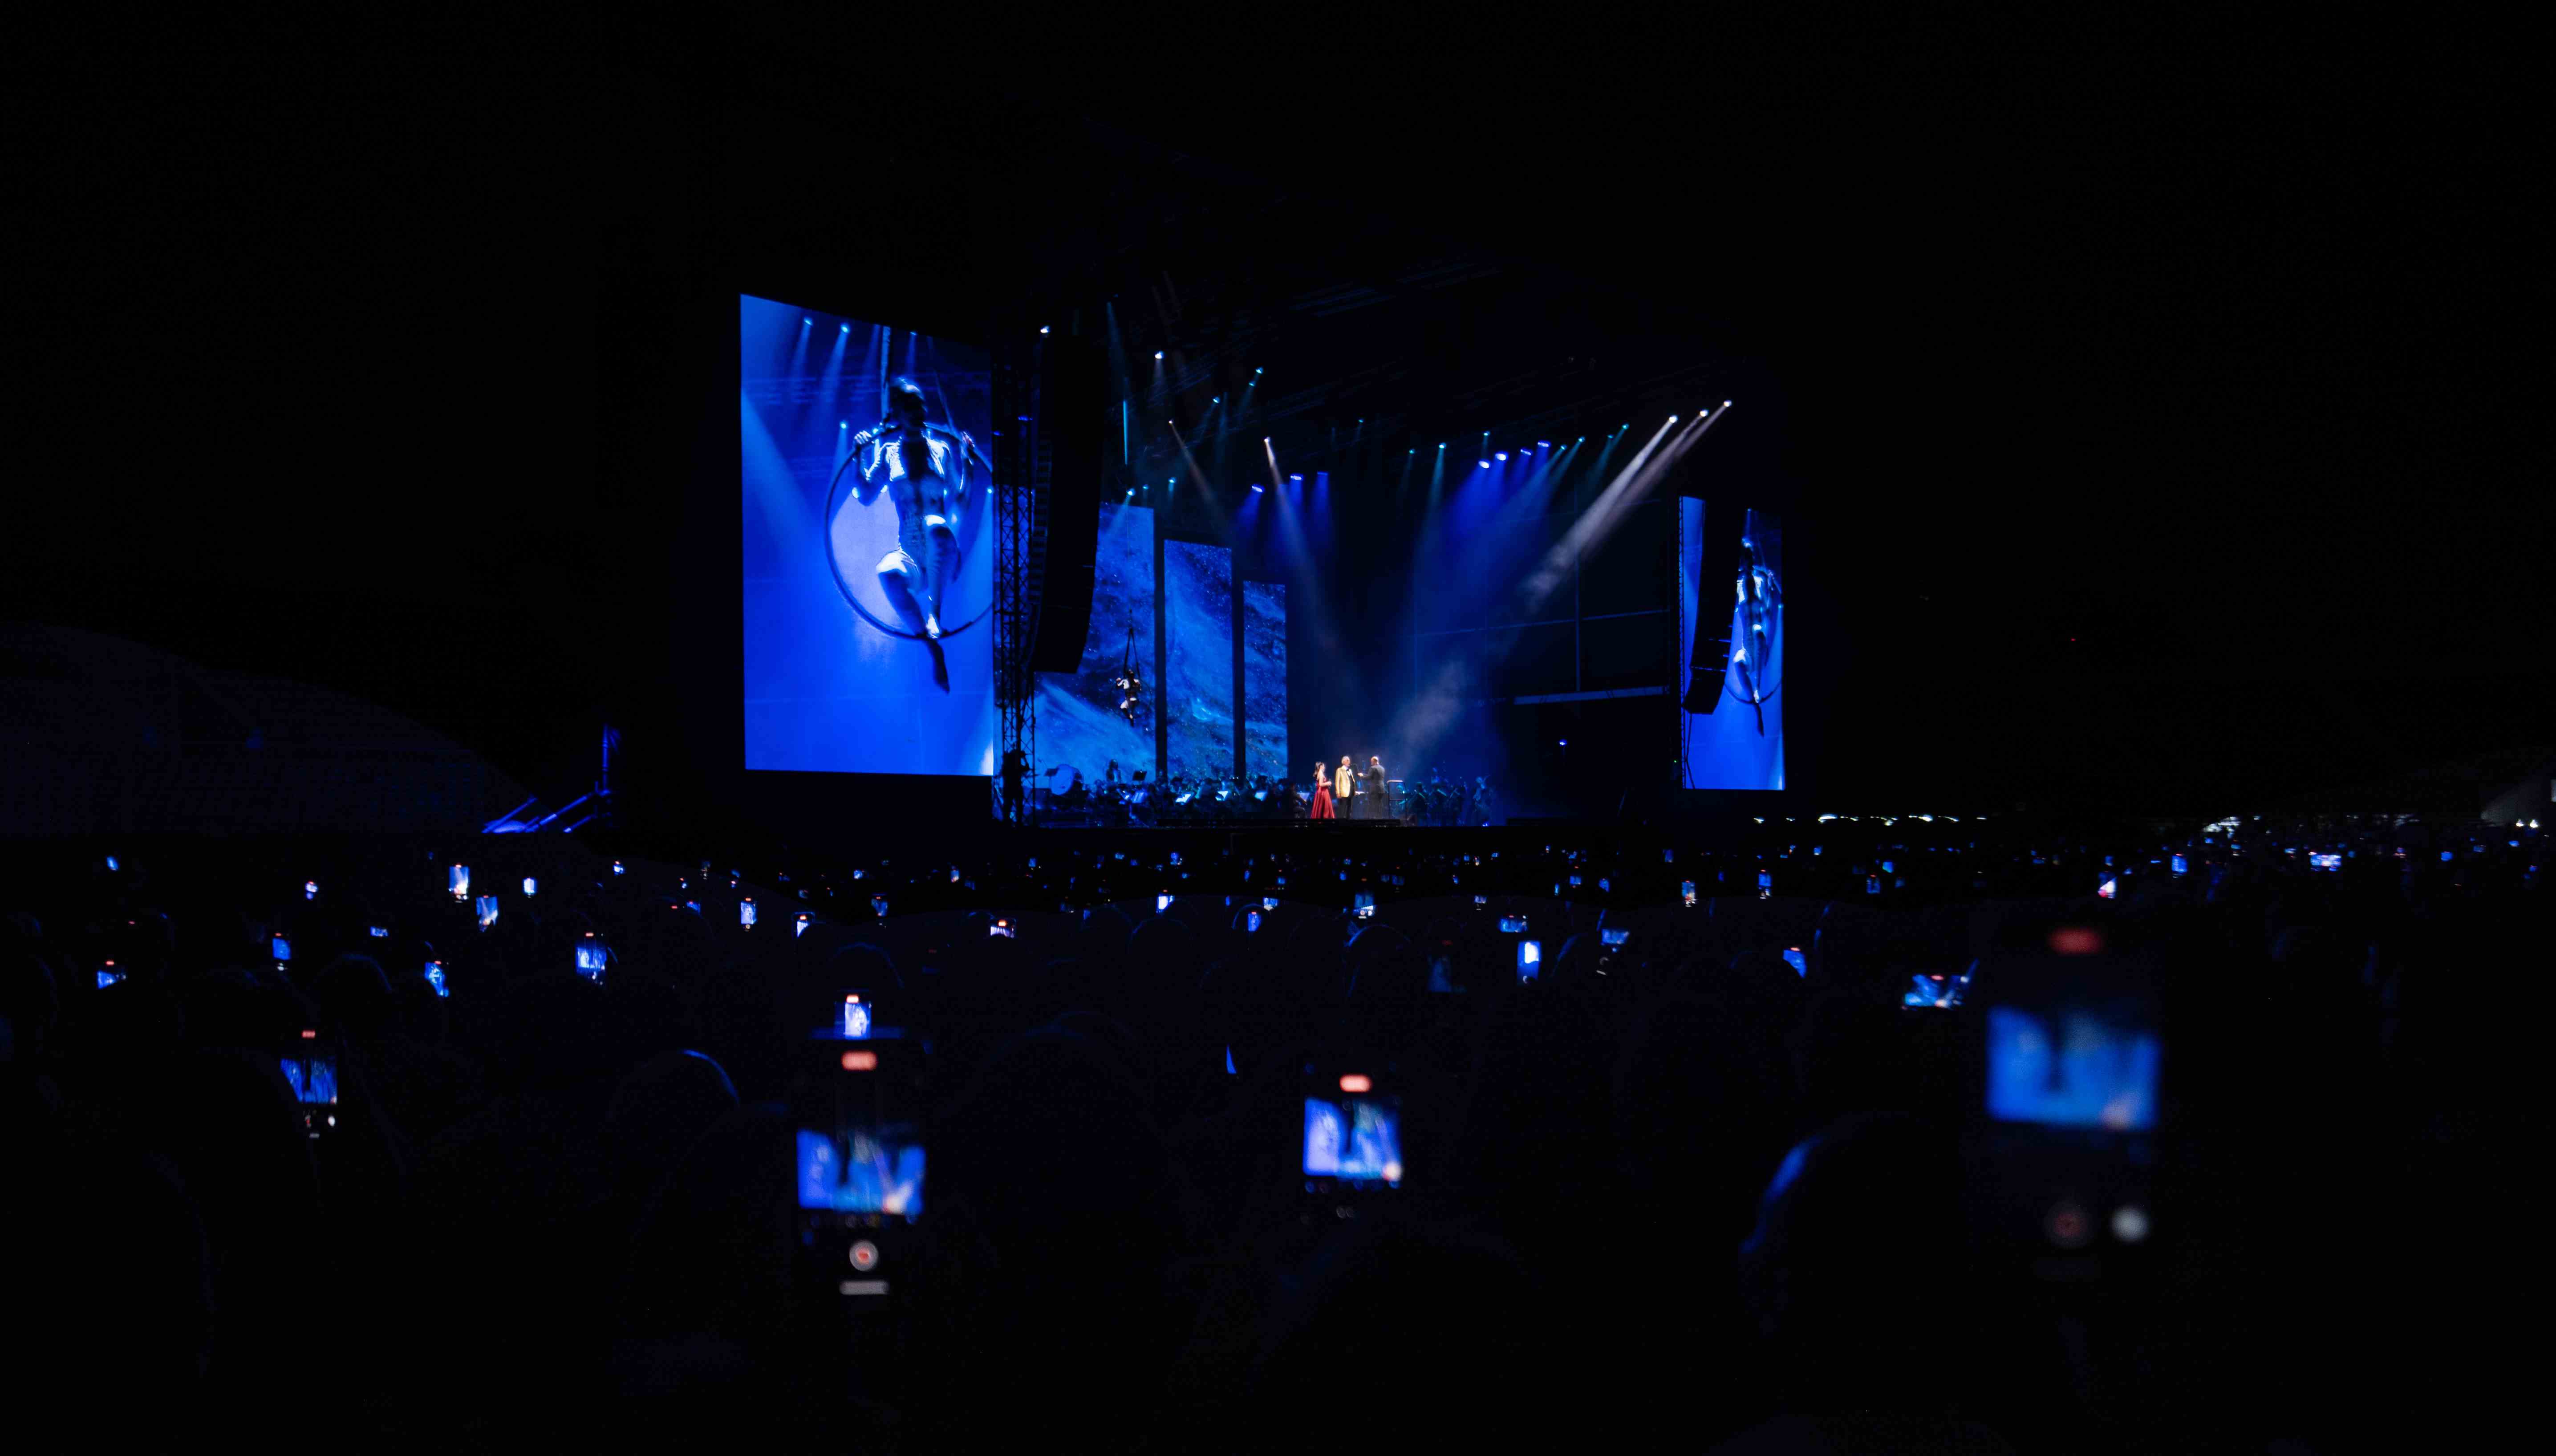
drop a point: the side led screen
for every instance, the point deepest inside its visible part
(867, 551)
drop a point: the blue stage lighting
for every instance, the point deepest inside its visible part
(1544, 444)
(847, 328)
(803, 323)
(1499, 454)
(1158, 354)
(1256, 486)
(1482, 464)
(1295, 477)
(1671, 419)
(1256, 371)
(1042, 328)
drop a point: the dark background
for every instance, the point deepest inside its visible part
(2162, 403)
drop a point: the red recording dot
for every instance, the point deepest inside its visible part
(864, 1255)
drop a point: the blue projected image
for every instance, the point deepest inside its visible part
(2074, 1070)
(1359, 1138)
(1085, 719)
(312, 1079)
(861, 1172)
(1733, 739)
(1264, 679)
(1198, 639)
(867, 558)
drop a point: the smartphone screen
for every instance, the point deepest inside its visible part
(1513, 925)
(2182, 866)
(487, 911)
(282, 948)
(1530, 958)
(1162, 903)
(1794, 958)
(312, 1079)
(1269, 903)
(2071, 1067)
(1003, 928)
(859, 1134)
(616, 866)
(378, 932)
(457, 879)
(592, 958)
(1687, 891)
(1932, 991)
(1613, 938)
(802, 926)
(857, 1018)
(1352, 1134)
(2106, 888)
(107, 976)
(309, 889)
(1365, 906)
(531, 884)
(435, 979)
(2325, 862)
(878, 906)
(1250, 920)
(745, 913)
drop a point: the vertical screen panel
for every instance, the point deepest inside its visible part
(1081, 724)
(1264, 679)
(1197, 640)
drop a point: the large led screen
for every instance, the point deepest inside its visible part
(868, 573)
(1103, 712)
(1730, 675)
(1198, 638)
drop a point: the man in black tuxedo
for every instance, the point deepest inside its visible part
(1376, 788)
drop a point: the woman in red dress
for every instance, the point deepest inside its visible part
(1321, 795)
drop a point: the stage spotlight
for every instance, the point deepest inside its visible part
(1158, 354)
(1671, 419)
(1544, 444)
(1482, 464)
(1499, 454)
(1295, 480)
(1255, 374)
(847, 328)
(803, 323)
(1255, 487)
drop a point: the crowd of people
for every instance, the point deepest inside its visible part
(1687, 1140)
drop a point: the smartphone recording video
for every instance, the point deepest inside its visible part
(1162, 903)
(378, 932)
(878, 906)
(857, 1016)
(802, 926)
(1513, 925)
(1687, 890)
(1003, 927)
(1613, 938)
(282, 949)
(487, 911)
(435, 979)
(1250, 920)
(1352, 1135)
(745, 913)
(1932, 991)
(1530, 959)
(457, 879)
(1794, 958)
(107, 976)
(591, 957)
(2331, 862)
(309, 889)
(1365, 905)
(531, 886)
